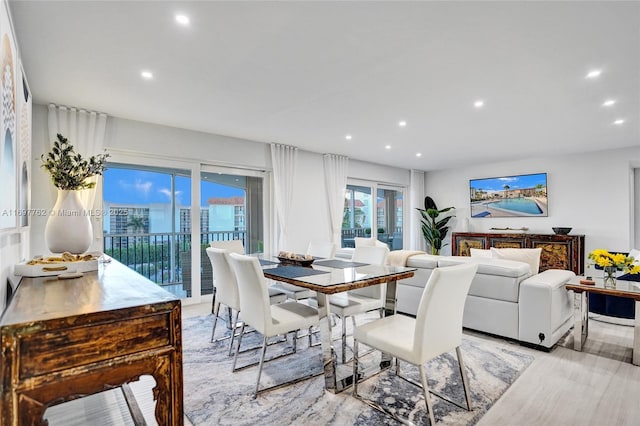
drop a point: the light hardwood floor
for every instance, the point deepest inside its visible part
(598, 386)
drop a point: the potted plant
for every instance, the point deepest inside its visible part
(434, 230)
(68, 226)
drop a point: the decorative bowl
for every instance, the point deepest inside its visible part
(298, 262)
(561, 231)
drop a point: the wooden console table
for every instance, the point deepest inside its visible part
(558, 251)
(65, 339)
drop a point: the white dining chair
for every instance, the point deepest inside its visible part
(269, 320)
(319, 249)
(362, 300)
(436, 329)
(226, 286)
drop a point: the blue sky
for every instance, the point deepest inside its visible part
(514, 182)
(142, 187)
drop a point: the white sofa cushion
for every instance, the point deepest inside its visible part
(480, 253)
(490, 266)
(530, 256)
(636, 256)
(429, 261)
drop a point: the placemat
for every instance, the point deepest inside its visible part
(339, 264)
(264, 262)
(293, 271)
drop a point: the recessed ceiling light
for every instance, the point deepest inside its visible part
(348, 137)
(619, 121)
(387, 147)
(594, 74)
(147, 75)
(478, 104)
(402, 123)
(419, 154)
(182, 19)
(609, 102)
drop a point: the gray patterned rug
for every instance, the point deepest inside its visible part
(214, 395)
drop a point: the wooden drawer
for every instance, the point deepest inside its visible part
(49, 351)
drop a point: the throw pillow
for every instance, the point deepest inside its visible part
(530, 256)
(480, 253)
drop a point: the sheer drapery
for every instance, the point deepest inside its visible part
(416, 241)
(335, 179)
(283, 158)
(85, 131)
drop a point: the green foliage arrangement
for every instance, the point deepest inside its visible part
(68, 170)
(433, 230)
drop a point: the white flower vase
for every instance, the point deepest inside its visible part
(68, 227)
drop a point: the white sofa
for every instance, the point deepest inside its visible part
(504, 298)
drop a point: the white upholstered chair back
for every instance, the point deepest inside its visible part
(225, 279)
(232, 246)
(439, 316)
(324, 249)
(374, 256)
(254, 296)
(368, 242)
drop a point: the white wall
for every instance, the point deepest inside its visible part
(590, 192)
(162, 143)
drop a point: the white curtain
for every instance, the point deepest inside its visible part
(85, 131)
(417, 189)
(335, 179)
(283, 158)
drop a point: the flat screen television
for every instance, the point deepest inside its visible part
(509, 196)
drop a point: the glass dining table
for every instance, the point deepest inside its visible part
(333, 276)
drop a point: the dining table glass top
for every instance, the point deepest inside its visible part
(328, 276)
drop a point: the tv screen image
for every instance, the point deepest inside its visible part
(509, 196)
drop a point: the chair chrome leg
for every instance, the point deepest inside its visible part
(235, 358)
(465, 380)
(233, 333)
(216, 311)
(355, 368)
(427, 398)
(264, 351)
(230, 326)
(397, 366)
(295, 341)
(344, 340)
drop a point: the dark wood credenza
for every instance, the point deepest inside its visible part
(64, 339)
(558, 251)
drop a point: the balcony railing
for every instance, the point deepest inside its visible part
(161, 257)
(394, 240)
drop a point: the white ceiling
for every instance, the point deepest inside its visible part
(308, 73)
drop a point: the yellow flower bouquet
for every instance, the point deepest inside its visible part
(620, 261)
(612, 262)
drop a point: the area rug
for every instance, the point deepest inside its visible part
(215, 395)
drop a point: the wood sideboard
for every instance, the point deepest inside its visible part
(558, 251)
(64, 339)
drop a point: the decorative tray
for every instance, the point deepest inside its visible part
(58, 264)
(295, 259)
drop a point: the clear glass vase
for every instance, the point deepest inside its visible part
(609, 276)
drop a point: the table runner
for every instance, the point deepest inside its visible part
(293, 271)
(340, 264)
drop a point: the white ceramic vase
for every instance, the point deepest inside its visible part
(68, 227)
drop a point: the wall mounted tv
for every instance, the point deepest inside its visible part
(509, 196)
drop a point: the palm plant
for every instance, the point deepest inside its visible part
(434, 230)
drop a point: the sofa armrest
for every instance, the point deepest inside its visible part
(545, 307)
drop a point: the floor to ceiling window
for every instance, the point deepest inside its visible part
(231, 208)
(144, 224)
(383, 221)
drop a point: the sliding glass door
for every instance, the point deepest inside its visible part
(144, 225)
(383, 221)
